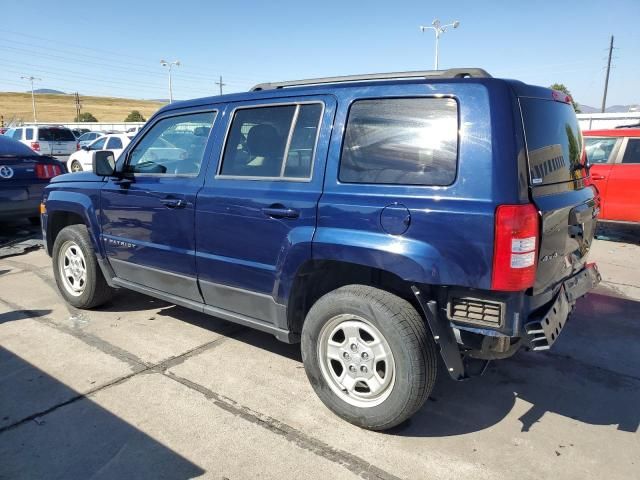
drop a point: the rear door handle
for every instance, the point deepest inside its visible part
(174, 202)
(281, 212)
(598, 177)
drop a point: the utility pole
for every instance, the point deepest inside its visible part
(438, 29)
(78, 107)
(164, 63)
(606, 80)
(220, 84)
(33, 95)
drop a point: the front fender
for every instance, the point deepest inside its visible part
(81, 204)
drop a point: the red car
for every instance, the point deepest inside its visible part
(615, 158)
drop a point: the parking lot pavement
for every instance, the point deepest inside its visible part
(144, 389)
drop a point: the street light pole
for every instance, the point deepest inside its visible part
(438, 29)
(164, 63)
(33, 95)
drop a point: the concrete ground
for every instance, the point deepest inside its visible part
(146, 390)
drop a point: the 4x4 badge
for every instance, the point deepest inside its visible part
(6, 172)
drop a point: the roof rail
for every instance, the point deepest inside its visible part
(451, 73)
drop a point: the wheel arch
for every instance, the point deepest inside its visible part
(71, 208)
(315, 278)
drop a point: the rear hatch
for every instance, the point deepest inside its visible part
(558, 188)
(56, 141)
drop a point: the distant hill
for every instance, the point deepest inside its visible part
(48, 90)
(61, 108)
(611, 109)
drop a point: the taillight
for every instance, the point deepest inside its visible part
(46, 171)
(515, 248)
(35, 146)
(77, 146)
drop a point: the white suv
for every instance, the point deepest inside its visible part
(59, 142)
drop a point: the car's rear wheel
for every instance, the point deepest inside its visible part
(76, 269)
(75, 166)
(368, 356)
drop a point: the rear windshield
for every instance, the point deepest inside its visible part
(52, 134)
(554, 141)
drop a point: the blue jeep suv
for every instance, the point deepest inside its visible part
(380, 220)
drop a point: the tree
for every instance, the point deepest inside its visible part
(562, 88)
(85, 117)
(135, 116)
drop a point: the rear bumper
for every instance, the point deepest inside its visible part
(20, 209)
(543, 330)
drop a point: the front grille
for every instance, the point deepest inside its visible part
(472, 310)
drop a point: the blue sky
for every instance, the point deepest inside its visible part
(114, 47)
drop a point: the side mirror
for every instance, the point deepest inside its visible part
(85, 148)
(104, 163)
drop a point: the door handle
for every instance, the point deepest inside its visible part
(174, 202)
(281, 212)
(598, 177)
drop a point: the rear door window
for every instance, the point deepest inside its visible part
(272, 142)
(554, 141)
(632, 152)
(600, 150)
(402, 141)
(28, 134)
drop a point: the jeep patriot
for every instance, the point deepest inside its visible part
(382, 221)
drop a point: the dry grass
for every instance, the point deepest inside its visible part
(61, 108)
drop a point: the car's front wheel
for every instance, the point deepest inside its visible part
(76, 269)
(368, 356)
(75, 166)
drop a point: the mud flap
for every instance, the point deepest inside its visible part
(443, 336)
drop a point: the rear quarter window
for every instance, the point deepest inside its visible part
(554, 141)
(401, 141)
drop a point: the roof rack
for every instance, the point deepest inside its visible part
(451, 73)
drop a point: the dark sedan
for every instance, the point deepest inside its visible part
(23, 176)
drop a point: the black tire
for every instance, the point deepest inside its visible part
(413, 350)
(96, 290)
(78, 167)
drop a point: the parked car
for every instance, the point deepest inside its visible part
(381, 220)
(57, 141)
(614, 155)
(134, 130)
(23, 176)
(78, 132)
(83, 158)
(89, 137)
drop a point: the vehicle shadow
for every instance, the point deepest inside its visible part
(583, 377)
(22, 315)
(77, 440)
(618, 232)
